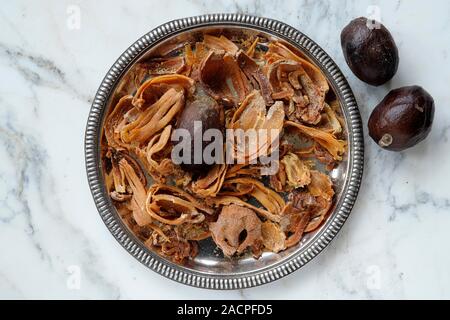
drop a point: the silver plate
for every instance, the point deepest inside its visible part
(209, 269)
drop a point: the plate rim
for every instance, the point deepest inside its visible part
(245, 279)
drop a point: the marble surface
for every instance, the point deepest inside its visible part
(52, 241)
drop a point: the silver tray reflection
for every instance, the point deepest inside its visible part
(210, 269)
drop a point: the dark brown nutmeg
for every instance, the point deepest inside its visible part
(402, 119)
(203, 109)
(370, 51)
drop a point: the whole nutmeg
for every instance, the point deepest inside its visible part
(204, 110)
(370, 51)
(402, 119)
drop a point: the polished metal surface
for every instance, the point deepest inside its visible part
(210, 269)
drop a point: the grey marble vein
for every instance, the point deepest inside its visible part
(38, 70)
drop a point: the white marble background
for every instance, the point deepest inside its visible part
(395, 244)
